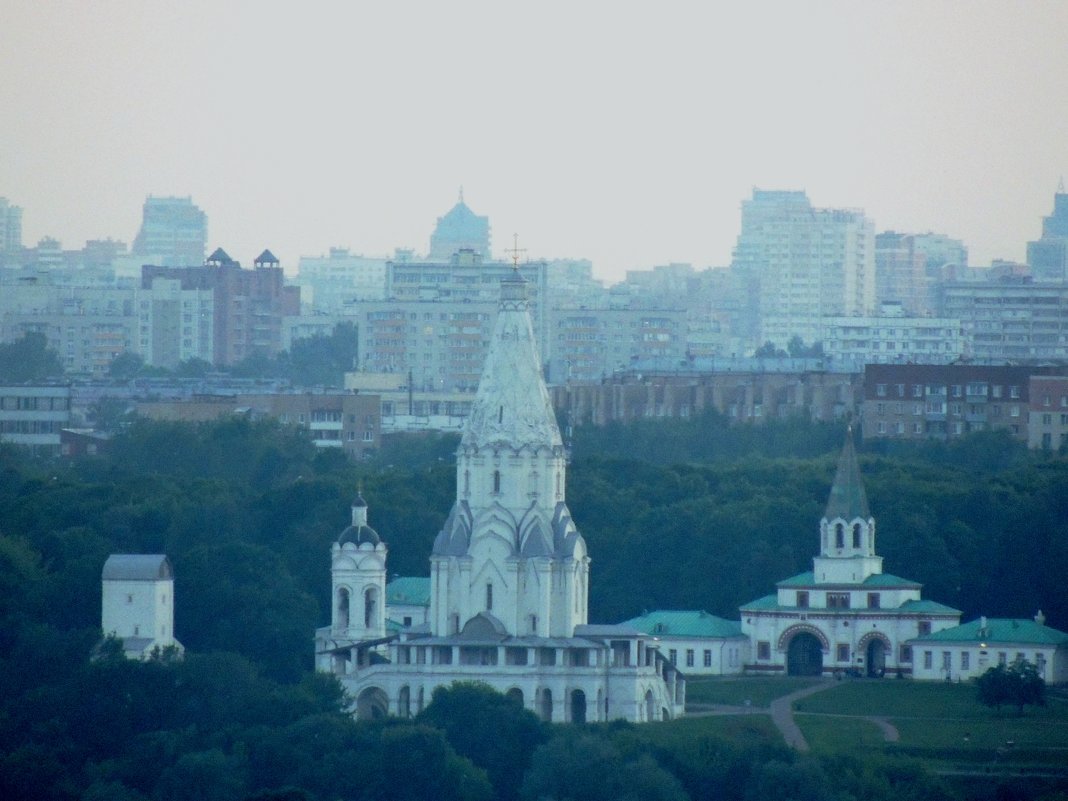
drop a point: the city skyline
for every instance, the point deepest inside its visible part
(627, 138)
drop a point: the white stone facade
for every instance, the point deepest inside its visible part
(846, 615)
(138, 603)
(509, 574)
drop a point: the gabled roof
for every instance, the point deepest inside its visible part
(999, 631)
(266, 258)
(847, 500)
(408, 590)
(137, 567)
(685, 623)
(219, 256)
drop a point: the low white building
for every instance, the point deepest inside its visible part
(699, 643)
(408, 601)
(845, 615)
(138, 603)
(509, 575)
(970, 649)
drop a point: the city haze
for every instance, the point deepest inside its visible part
(626, 137)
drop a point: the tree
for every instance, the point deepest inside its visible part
(28, 359)
(126, 365)
(493, 731)
(1018, 684)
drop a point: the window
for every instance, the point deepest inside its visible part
(965, 660)
(925, 627)
(843, 652)
(489, 597)
(928, 660)
(880, 390)
(764, 650)
(1014, 392)
(496, 482)
(947, 663)
(129, 599)
(917, 390)
(802, 599)
(673, 656)
(1001, 658)
(906, 654)
(708, 658)
(689, 657)
(873, 600)
(838, 600)
(839, 536)
(368, 436)
(856, 535)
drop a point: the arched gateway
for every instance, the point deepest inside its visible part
(804, 655)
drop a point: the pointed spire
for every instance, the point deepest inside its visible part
(847, 500)
(461, 193)
(512, 406)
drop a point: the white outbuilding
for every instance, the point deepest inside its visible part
(138, 603)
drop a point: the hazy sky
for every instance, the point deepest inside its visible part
(625, 133)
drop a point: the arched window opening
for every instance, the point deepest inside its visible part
(467, 482)
(404, 702)
(489, 597)
(533, 624)
(839, 536)
(500, 415)
(496, 482)
(370, 604)
(856, 535)
(454, 623)
(343, 608)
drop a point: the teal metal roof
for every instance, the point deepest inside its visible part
(767, 602)
(888, 580)
(932, 607)
(408, 590)
(874, 580)
(672, 623)
(847, 500)
(800, 580)
(1000, 630)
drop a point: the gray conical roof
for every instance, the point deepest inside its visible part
(848, 500)
(512, 405)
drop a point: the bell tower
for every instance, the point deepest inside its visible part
(358, 579)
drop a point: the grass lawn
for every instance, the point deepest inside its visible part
(836, 735)
(739, 729)
(896, 698)
(759, 690)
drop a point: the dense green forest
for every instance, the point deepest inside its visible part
(709, 516)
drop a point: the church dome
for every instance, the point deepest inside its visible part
(358, 535)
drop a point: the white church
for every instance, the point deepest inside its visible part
(509, 575)
(846, 615)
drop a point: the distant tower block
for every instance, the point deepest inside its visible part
(138, 603)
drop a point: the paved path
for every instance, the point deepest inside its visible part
(782, 714)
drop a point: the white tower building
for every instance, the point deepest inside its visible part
(845, 615)
(509, 575)
(509, 548)
(138, 603)
(358, 572)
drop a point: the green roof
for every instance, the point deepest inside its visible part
(932, 607)
(1000, 630)
(888, 580)
(767, 602)
(671, 623)
(800, 580)
(408, 590)
(847, 499)
(875, 580)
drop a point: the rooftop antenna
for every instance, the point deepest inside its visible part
(1060, 186)
(515, 251)
(461, 193)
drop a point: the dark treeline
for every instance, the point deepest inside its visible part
(247, 512)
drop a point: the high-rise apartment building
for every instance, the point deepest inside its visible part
(460, 229)
(10, 230)
(1048, 256)
(341, 279)
(900, 272)
(795, 264)
(174, 233)
(247, 306)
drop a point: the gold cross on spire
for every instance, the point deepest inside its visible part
(515, 251)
